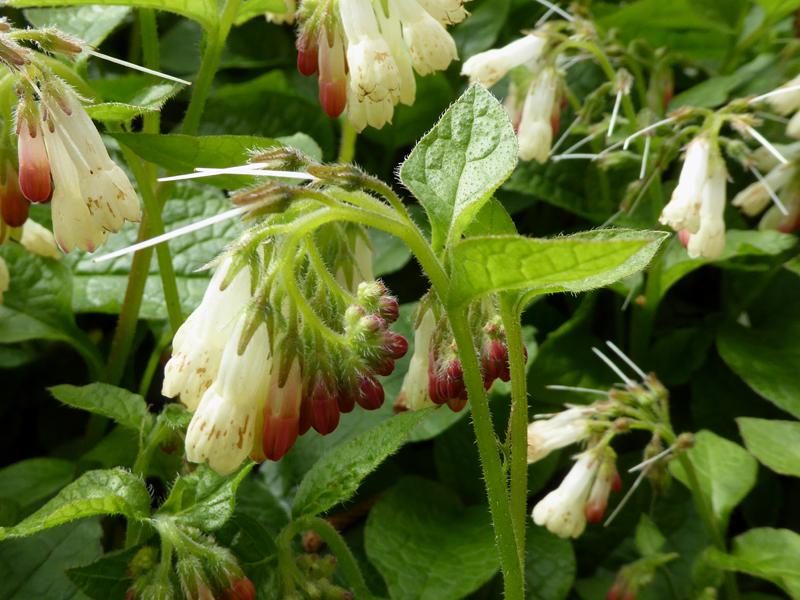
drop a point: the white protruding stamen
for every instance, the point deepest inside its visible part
(617, 371)
(614, 114)
(610, 149)
(557, 9)
(791, 88)
(175, 233)
(766, 143)
(574, 61)
(581, 390)
(645, 156)
(136, 67)
(653, 459)
(573, 156)
(627, 359)
(626, 497)
(208, 172)
(762, 180)
(564, 135)
(581, 142)
(655, 125)
(545, 16)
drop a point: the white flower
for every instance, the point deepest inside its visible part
(39, 240)
(5, 278)
(487, 68)
(373, 72)
(222, 430)
(392, 31)
(286, 17)
(562, 511)
(683, 210)
(709, 240)
(431, 47)
(34, 167)
(282, 411)
(566, 428)
(414, 393)
(363, 112)
(601, 488)
(535, 128)
(788, 101)
(793, 127)
(447, 12)
(753, 199)
(92, 195)
(199, 343)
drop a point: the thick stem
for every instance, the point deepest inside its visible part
(496, 488)
(347, 145)
(151, 59)
(215, 44)
(519, 422)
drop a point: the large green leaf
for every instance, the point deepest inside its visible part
(459, 164)
(90, 23)
(726, 471)
(549, 565)
(776, 444)
(107, 578)
(771, 554)
(576, 263)
(34, 568)
(124, 407)
(204, 12)
(204, 499)
(105, 492)
(32, 480)
(427, 544)
(337, 475)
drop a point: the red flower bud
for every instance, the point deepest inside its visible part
(241, 589)
(307, 53)
(15, 207)
(346, 399)
(389, 308)
(371, 392)
(325, 409)
(332, 76)
(34, 165)
(395, 345)
(279, 435)
(616, 483)
(433, 389)
(383, 366)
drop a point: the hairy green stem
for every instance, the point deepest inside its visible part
(214, 45)
(519, 421)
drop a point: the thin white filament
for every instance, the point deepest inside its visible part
(655, 125)
(653, 459)
(645, 156)
(614, 114)
(175, 233)
(557, 9)
(239, 171)
(564, 135)
(781, 90)
(581, 390)
(627, 497)
(573, 157)
(617, 371)
(136, 67)
(626, 359)
(766, 143)
(611, 148)
(544, 17)
(762, 180)
(581, 142)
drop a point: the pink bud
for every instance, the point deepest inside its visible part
(332, 75)
(455, 380)
(307, 53)
(325, 410)
(34, 166)
(279, 435)
(395, 345)
(241, 589)
(683, 236)
(433, 389)
(373, 323)
(13, 205)
(389, 308)
(371, 392)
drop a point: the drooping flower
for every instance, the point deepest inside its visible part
(788, 102)
(14, 207)
(34, 166)
(447, 12)
(565, 428)
(281, 411)
(563, 510)
(753, 199)
(431, 47)
(414, 392)
(535, 126)
(683, 209)
(487, 68)
(39, 240)
(601, 488)
(709, 240)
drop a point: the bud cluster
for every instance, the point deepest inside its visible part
(317, 573)
(365, 52)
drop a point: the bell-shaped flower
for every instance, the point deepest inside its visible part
(565, 428)
(281, 413)
(487, 68)
(562, 511)
(392, 30)
(39, 240)
(332, 73)
(5, 278)
(753, 199)
(793, 126)
(414, 392)
(14, 207)
(431, 47)
(709, 240)
(683, 209)
(535, 128)
(605, 481)
(199, 343)
(223, 428)
(788, 101)
(447, 12)
(34, 166)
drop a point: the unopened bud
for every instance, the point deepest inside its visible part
(240, 589)
(371, 392)
(307, 51)
(13, 205)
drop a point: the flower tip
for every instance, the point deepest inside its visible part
(279, 435)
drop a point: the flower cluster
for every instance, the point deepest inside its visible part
(776, 194)
(582, 497)
(787, 103)
(366, 52)
(534, 97)
(259, 366)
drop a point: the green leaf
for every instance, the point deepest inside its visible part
(576, 263)
(459, 164)
(204, 499)
(108, 577)
(106, 492)
(427, 544)
(204, 12)
(771, 554)
(127, 97)
(34, 568)
(123, 407)
(389, 254)
(649, 540)
(250, 9)
(337, 475)
(778, 9)
(776, 444)
(29, 481)
(549, 565)
(480, 31)
(91, 23)
(726, 471)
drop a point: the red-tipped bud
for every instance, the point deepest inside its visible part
(332, 76)
(346, 399)
(372, 323)
(383, 366)
(389, 308)
(371, 392)
(241, 589)
(13, 205)
(683, 236)
(457, 404)
(279, 435)
(616, 483)
(395, 345)
(433, 389)
(307, 53)
(325, 409)
(34, 165)
(455, 379)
